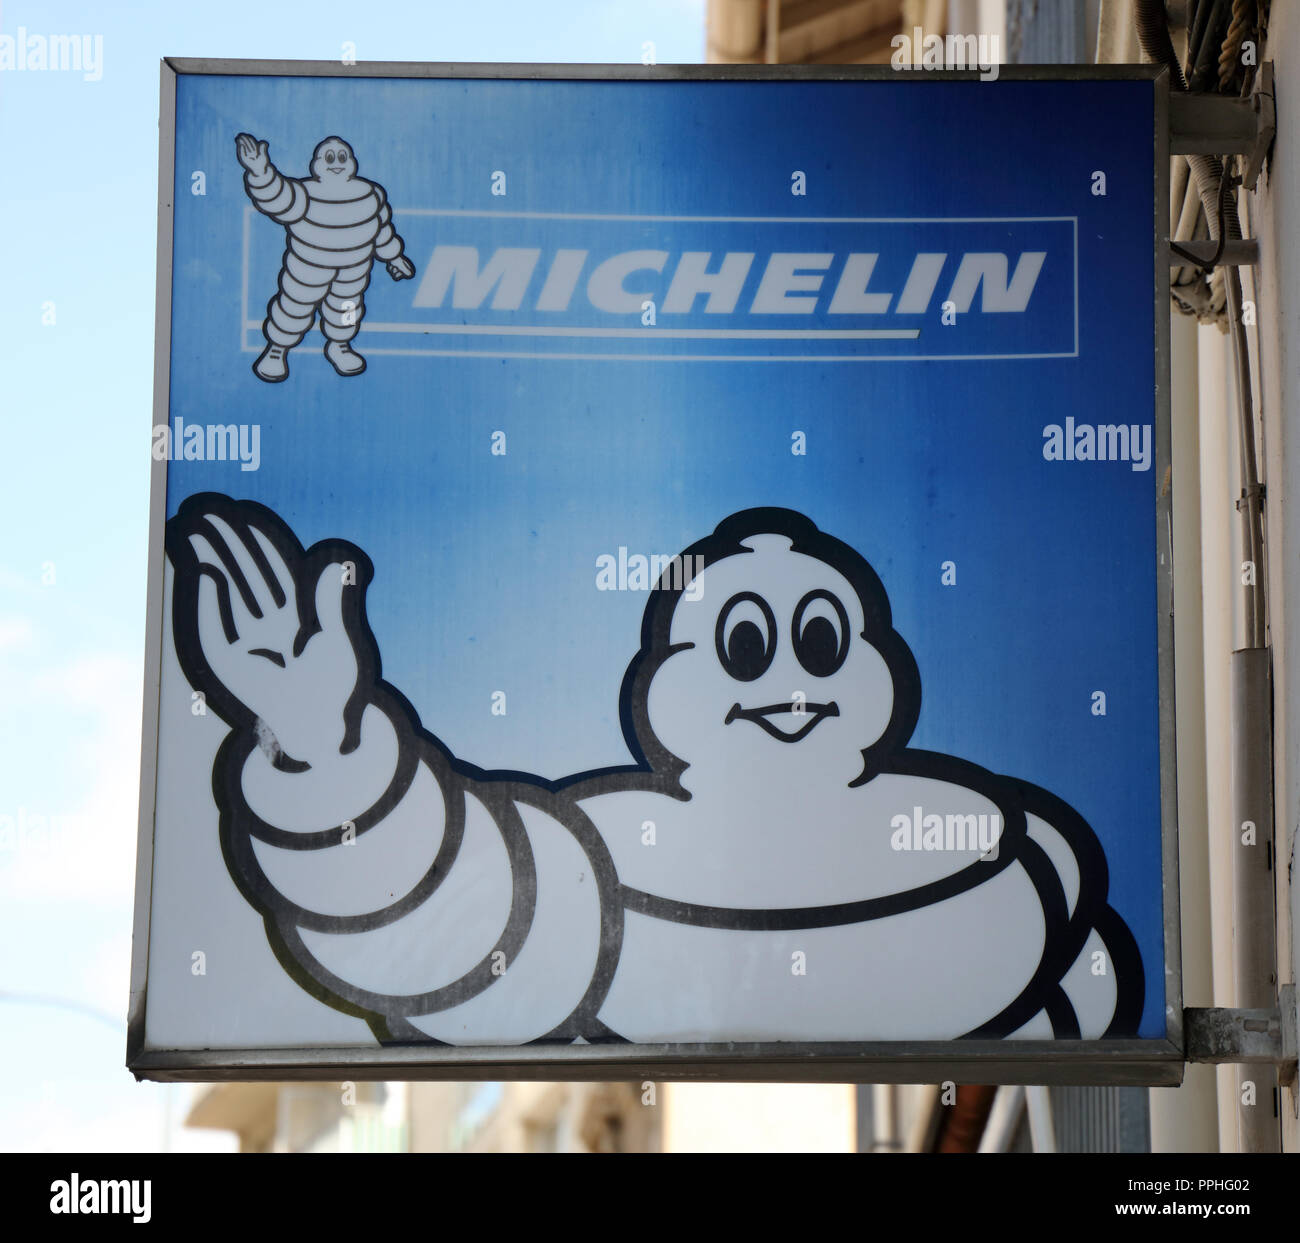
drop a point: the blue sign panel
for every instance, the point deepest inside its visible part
(668, 563)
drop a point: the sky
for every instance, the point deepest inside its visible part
(78, 210)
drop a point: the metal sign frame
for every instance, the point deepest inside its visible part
(1154, 1061)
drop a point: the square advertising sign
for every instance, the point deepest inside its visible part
(659, 573)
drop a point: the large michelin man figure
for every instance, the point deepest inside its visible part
(336, 225)
(744, 879)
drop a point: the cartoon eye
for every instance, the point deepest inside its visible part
(329, 157)
(820, 631)
(746, 636)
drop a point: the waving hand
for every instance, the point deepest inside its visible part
(271, 633)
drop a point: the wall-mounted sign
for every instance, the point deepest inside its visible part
(658, 573)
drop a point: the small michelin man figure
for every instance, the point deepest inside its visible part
(775, 864)
(336, 224)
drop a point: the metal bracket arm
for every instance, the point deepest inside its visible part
(1221, 125)
(1219, 1034)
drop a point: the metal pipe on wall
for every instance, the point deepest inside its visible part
(1186, 1119)
(1254, 920)
(1218, 468)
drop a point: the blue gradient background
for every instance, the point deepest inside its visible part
(485, 566)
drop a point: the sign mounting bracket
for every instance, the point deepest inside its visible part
(1223, 1035)
(1220, 125)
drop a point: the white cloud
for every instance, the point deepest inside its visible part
(106, 979)
(130, 1118)
(17, 583)
(76, 841)
(15, 632)
(108, 682)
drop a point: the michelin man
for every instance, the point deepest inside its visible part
(743, 879)
(336, 225)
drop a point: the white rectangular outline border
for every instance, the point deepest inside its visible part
(248, 325)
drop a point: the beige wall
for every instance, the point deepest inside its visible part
(743, 1117)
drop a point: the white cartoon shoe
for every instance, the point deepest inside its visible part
(344, 359)
(272, 364)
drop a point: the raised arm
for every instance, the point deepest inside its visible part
(275, 195)
(394, 886)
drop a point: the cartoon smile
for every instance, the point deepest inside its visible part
(812, 712)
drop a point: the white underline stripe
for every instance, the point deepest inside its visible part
(565, 215)
(703, 358)
(679, 334)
